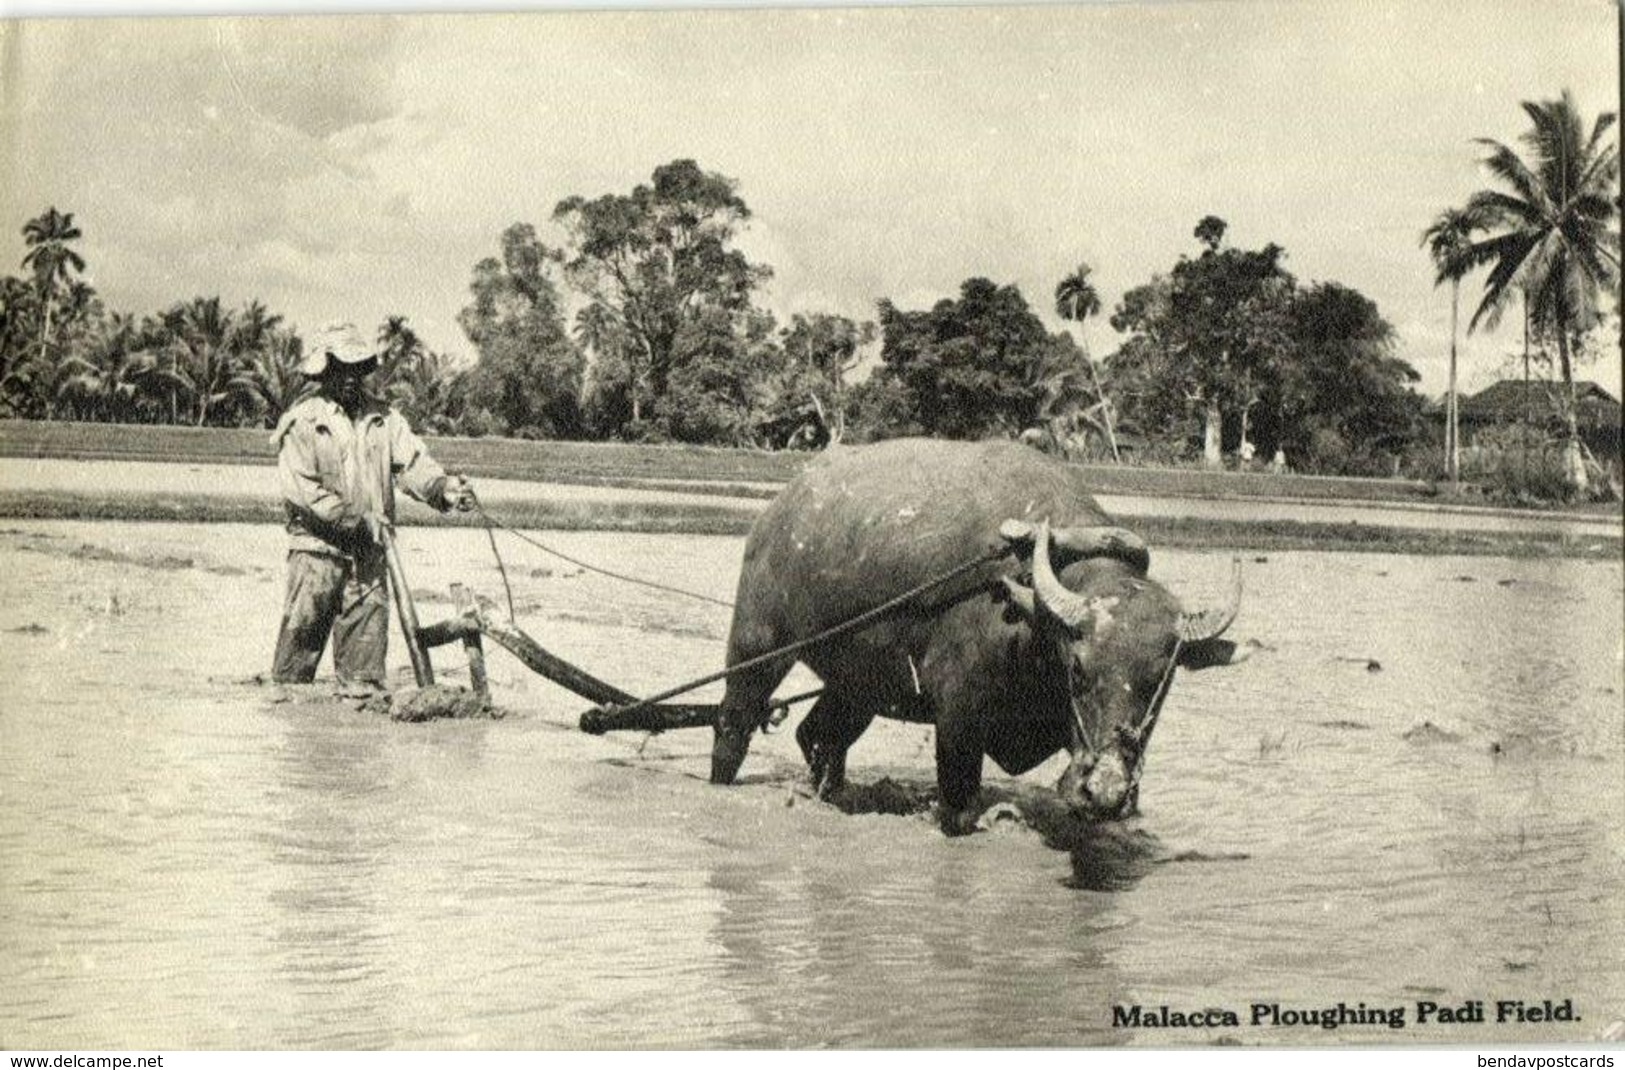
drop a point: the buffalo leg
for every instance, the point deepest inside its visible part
(959, 778)
(744, 708)
(825, 735)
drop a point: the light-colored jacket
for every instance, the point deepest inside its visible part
(334, 473)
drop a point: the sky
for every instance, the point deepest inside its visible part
(355, 166)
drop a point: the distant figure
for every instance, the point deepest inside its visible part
(1247, 452)
(1278, 462)
(1039, 438)
(340, 454)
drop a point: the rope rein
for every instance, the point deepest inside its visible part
(1154, 710)
(492, 523)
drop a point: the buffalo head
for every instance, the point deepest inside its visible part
(1119, 637)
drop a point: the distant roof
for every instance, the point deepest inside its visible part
(1510, 399)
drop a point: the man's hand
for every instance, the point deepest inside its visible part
(376, 527)
(459, 494)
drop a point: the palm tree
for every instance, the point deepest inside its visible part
(603, 332)
(431, 392)
(1449, 241)
(1551, 235)
(399, 348)
(204, 331)
(51, 260)
(106, 382)
(19, 311)
(271, 378)
(255, 327)
(1075, 301)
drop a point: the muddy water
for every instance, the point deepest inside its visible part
(187, 863)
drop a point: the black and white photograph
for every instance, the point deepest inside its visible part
(915, 528)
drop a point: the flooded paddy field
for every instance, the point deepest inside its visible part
(1414, 791)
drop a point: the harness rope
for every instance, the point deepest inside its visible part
(782, 705)
(866, 617)
(492, 523)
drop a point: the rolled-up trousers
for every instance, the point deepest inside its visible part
(342, 595)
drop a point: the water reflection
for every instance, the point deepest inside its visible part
(1111, 858)
(330, 847)
(912, 948)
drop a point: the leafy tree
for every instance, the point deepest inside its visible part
(880, 407)
(969, 367)
(660, 260)
(529, 371)
(611, 395)
(820, 351)
(1212, 333)
(1449, 241)
(1210, 232)
(1342, 400)
(1144, 366)
(725, 381)
(1551, 234)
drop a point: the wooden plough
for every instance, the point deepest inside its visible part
(616, 709)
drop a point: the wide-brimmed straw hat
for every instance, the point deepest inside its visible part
(336, 341)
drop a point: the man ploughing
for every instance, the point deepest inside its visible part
(341, 452)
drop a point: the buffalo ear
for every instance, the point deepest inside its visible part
(1208, 653)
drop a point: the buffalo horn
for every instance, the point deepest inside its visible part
(1071, 607)
(1211, 623)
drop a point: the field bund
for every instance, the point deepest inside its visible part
(85, 471)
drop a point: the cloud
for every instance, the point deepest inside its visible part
(360, 166)
(317, 76)
(224, 154)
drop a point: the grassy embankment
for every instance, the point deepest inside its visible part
(727, 473)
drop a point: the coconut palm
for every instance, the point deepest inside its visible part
(254, 328)
(1449, 241)
(603, 333)
(431, 392)
(1076, 299)
(51, 260)
(270, 378)
(107, 383)
(207, 369)
(1551, 235)
(399, 348)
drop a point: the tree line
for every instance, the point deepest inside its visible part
(645, 324)
(666, 342)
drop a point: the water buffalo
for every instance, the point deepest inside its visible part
(1063, 643)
